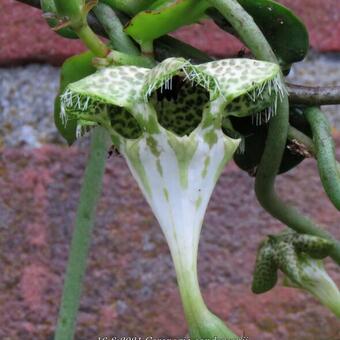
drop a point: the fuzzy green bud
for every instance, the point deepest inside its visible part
(265, 274)
(314, 246)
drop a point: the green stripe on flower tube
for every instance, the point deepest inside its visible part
(166, 122)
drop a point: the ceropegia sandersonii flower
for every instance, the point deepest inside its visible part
(166, 122)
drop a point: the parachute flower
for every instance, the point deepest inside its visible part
(167, 123)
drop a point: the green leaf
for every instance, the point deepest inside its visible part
(130, 7)
(74, 10)
(73, 69)
(48, 7)
(153, 23)
(284, 31)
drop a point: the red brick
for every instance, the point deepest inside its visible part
(25, 37)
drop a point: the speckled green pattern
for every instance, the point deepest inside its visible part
(114, 96)
(98, 98)
(265, 274)
(314, 246)
(238, 77)
(286, 251)
(287, 260)
(123, 122)
(120, 85)
(245, 105)
(183, 112)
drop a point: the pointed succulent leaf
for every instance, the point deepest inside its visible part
(265, 274)
(284, 31)
(316, 247)
(49, 9)
(73, 10)
(164, 17)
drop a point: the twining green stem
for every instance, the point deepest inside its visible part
(89, 195)
(325, 153)
(147, 49)
(246, 28)
(307, 95)
(295, 134)
(267, 196)
(91, 40)
(130, 7)
(277, 132)
(165, 46)
(120, 58)
(114, 29)
(119, 40)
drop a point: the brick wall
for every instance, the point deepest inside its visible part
(25, 37)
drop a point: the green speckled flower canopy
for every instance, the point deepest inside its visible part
(175, 93)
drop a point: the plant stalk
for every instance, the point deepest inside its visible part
(277, 132)
(114, 29)
(92, 42)
(76, 267)
(202, 323)
(165, 46)
(307, 95)
(325, 153)
(89, 196)
(294, 133)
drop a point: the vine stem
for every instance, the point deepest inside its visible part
(119, 58)
(277, 132)
(91, 40)
(307, 95)
(81, 239)
(325, 153)
(296, 134)
(90, 193)
(246, 28)
(114, 29)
